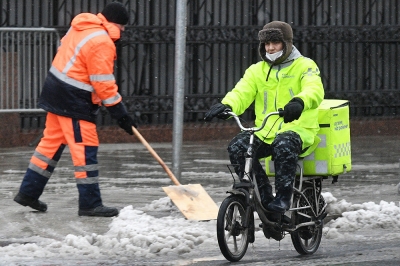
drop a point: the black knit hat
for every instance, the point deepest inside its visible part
(276, 31)
(116, 12)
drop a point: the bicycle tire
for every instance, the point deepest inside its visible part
(232, 236)
(306, 240)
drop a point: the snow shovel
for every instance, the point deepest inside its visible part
(192, 200)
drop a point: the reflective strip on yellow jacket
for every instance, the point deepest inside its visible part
(82, 70)
(298, 77)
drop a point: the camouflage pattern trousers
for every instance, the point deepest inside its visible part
(285, 150)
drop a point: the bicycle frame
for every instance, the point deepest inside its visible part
(248, 188)
(235, 221)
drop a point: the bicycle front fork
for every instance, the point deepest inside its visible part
(247, 169)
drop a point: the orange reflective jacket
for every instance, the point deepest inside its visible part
(81, 76)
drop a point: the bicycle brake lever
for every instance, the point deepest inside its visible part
(225, 114)
(227, 110)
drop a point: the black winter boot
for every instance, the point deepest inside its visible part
(266, 194)
(25, 200)
(101, 211)
(281, 203)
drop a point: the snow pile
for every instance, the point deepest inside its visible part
(354, 217)
(136, 233)
(132, 234)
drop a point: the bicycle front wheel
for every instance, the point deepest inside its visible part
(232, 236)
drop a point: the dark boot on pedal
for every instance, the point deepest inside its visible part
(25, 200)
(281, 203)
(100, 211)
(266, 194)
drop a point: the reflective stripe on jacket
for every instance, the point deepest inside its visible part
(298, 77)
(81, 76)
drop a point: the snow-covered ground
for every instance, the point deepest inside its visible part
(150, 230)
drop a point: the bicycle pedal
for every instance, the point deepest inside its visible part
(270, 232)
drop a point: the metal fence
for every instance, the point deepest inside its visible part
(26, 55)
(355, 44)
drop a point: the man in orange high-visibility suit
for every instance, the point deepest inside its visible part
(79, 81)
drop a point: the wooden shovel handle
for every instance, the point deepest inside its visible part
(155, 155)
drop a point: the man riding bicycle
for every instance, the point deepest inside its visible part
(283, 79)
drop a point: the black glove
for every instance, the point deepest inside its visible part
(293, 109)
(215, 111)
(126, 122)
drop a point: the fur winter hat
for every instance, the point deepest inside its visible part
(276, 31)
(116, 12)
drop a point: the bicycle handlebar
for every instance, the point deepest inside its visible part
(280, 112)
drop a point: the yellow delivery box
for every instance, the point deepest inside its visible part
(332, 156)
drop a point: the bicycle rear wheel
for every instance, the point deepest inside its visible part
(232, 236)
(307, 239)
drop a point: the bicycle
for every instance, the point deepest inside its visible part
(303, 221)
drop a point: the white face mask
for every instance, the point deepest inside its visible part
(273, 56)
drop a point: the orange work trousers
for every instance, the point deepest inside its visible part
(82, 140)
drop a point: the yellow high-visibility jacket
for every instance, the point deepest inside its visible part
(297, 76)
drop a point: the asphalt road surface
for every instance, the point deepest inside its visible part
(131, 176)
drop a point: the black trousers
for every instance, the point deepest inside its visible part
(285, 150)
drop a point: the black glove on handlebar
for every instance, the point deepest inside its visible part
(293, 109)
(216, 111)
(126, 122)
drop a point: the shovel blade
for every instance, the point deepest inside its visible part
(193, 201)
